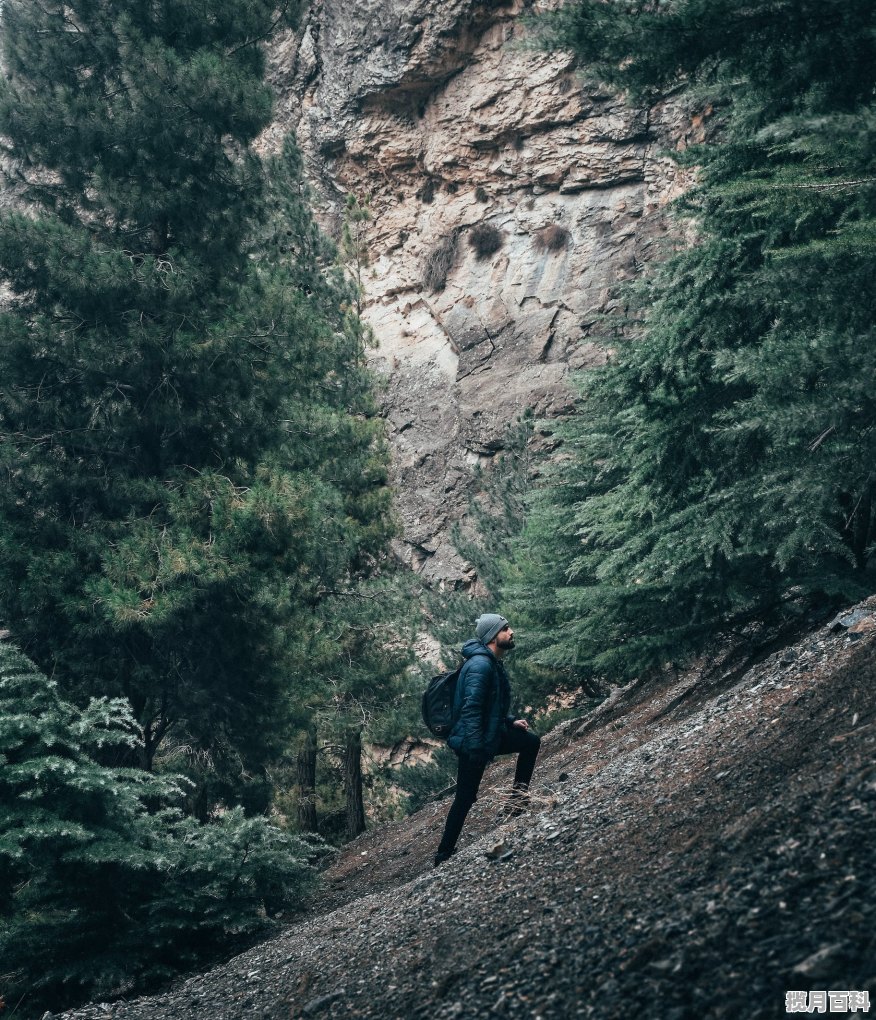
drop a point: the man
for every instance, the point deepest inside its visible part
(482, 726)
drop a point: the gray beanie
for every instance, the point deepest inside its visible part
(488, 626)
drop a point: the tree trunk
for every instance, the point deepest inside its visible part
(353, 783)
(307, 783)
(863, 527)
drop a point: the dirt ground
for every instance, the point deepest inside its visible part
(696, 850)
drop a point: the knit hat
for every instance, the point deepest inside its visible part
(488, 626)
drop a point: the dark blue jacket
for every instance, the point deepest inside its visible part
(481, 704)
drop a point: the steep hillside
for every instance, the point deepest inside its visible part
(695, 850)
(507, 201)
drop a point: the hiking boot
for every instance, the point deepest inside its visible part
(442, 856)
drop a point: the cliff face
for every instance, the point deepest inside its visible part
(467, 141)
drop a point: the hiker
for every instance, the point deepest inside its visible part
(482, 726)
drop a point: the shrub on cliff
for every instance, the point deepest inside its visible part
(439, 262)
(554, 237)
(105, 886)
(485, 239)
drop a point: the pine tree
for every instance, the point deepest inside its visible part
(720, 469)
(105, 886)
(354, 244)
(190, 452)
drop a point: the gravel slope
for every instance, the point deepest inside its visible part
(698, 855)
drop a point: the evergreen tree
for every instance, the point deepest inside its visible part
(499, 510)
(361, 675)
(721, 467)
(189, 449)
(354, 244)
(105, 886)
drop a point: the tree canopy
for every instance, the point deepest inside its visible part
(105, 885)
(721, 467)
(190, 453)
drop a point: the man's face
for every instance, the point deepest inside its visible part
(505, 638)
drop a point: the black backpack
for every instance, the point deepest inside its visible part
(437, 705)
(438, 702)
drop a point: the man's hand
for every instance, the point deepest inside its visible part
(522, 724)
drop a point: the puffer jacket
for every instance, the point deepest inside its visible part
(481, 704)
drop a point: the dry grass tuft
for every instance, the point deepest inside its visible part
(439, 262)
(553, 237)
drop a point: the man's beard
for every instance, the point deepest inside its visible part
(506, 643)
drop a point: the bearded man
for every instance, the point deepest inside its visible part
(483, 726)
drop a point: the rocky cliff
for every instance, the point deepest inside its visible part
(507, 200)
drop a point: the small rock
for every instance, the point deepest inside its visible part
(323, 1000)
(819, 963)
(499, 852)
(845, 621)
(863, 626)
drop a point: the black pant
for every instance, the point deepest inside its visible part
(515, 740)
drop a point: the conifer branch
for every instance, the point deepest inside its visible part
(265, 35)
(825, 186)
(817, 442)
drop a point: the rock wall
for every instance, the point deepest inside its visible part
(466, 141)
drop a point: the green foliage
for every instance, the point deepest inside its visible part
(354, 243)
(720, 468)
(774, 52)
(190, 453)
(499, 508)
(362, 679)
(490, 543)
(420, 783)
(105, 886)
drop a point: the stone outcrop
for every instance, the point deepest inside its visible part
(507, 199)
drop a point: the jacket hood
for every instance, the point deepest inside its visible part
(474, 646)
